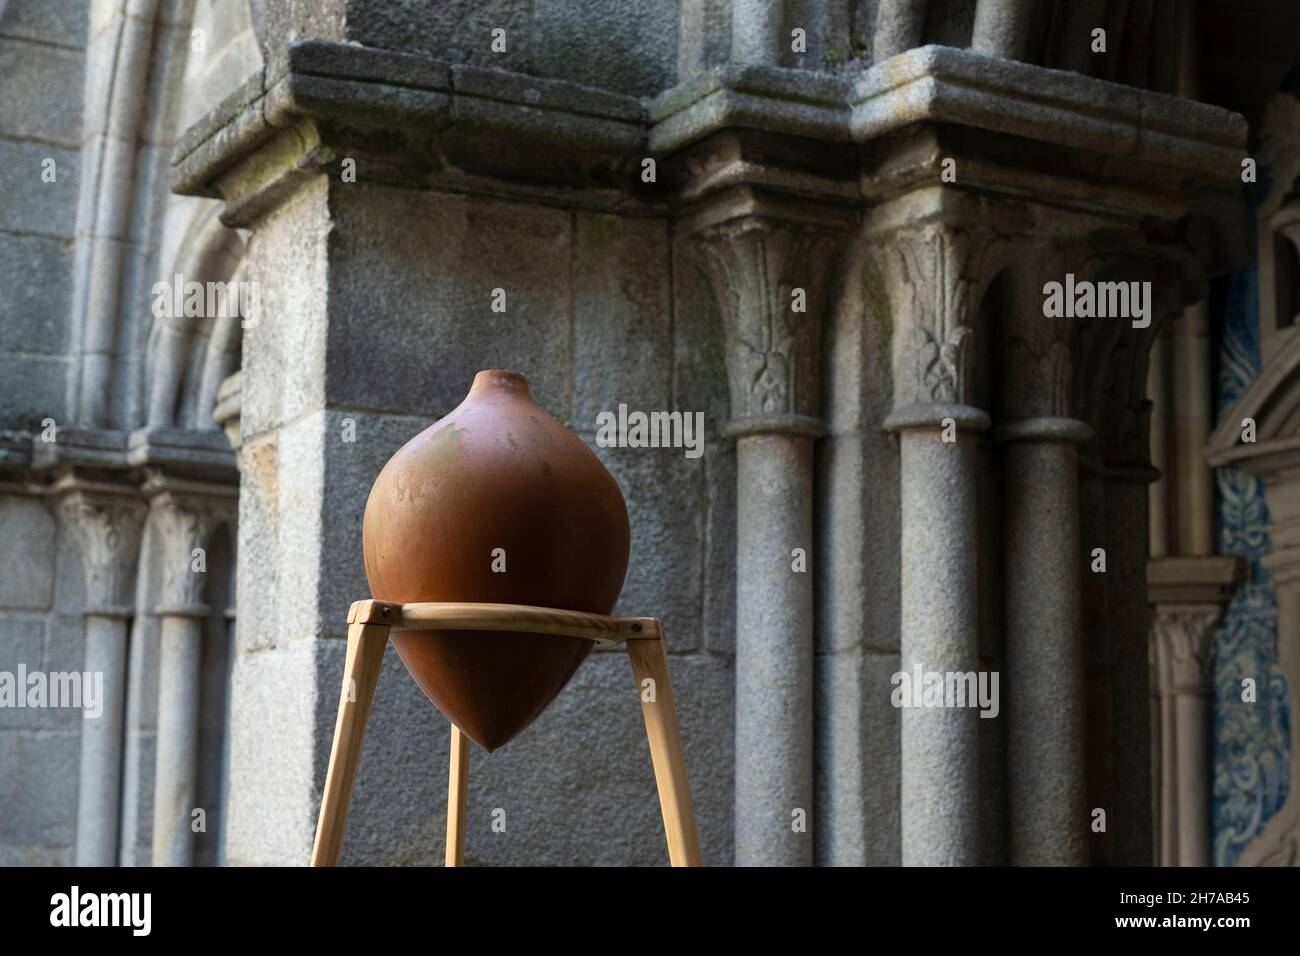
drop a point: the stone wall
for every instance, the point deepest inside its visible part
(41, 630)
(42, 49)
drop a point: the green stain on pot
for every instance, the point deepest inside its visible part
(539, 432)
(510, 440)
(449, 437)
(446, 444)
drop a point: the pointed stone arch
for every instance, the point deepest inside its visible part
(190, 356)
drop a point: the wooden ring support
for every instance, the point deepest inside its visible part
(369, 623)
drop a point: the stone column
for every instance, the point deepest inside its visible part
(1180, 669)
(1123, 633)
(1044, 641)
(770, 271)
(900, 26)
(1002, 28)
(1189, 587)
(1188, 595)
(939, 626)
(1158, 497)
(756, 36)
(184, 523)
(936, 275)
(1189, 419)
(107, 526)
(1110, 361)
(1043, 563)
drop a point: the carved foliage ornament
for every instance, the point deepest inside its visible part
(185, 523)
(1180, 648)
(936, 277)
(1110, 387)
(108, 530)
(771, 279)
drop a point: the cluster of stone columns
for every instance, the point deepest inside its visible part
(936, 274)
(108, 522)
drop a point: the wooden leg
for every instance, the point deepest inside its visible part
(649, 657)
(457, 797)
(366, 643)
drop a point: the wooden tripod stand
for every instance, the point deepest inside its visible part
(368, 625)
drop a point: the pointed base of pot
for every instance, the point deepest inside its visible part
(490, 684)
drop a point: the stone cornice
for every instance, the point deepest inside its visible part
(935, 84)
(371, 89)
(115, 462)
(15, 450)
(406, 119)
(1192, 580)
(415, 121)
(181, 450)
(790, 102)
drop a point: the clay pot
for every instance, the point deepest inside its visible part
(496, 473)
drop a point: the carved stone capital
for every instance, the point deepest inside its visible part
(1040, 375)
(107, 527)
(936, 275)
(186, 523)
(1180, 647)
(771, 274)
(1112, 356)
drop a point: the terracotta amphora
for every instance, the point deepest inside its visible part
(497, 502)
